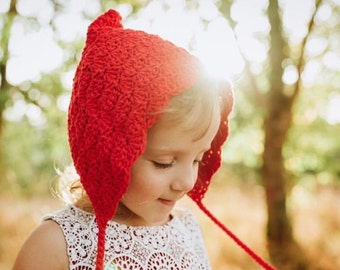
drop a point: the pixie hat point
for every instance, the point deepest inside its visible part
(123, 78)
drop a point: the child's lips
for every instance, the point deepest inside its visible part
(167, 202)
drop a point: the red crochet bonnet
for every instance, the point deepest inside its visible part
(123, 77)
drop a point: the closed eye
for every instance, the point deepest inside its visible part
(160, 165)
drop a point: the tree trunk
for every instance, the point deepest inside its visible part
(284, 251)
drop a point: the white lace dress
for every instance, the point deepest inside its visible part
(175, 245)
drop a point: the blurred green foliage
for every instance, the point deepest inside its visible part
(32, 148)
(312, 149)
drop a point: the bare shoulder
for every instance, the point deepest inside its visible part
(45, 248)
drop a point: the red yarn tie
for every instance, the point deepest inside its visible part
(257, 258)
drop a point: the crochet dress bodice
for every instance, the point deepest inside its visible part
(175, 245)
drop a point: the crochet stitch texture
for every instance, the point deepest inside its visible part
(175, 245)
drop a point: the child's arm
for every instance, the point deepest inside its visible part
(45, 248)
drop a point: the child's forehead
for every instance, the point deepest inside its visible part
(166, 136)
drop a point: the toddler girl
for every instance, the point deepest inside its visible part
(145, 127)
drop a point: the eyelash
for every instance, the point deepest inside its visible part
(169, 165)
(162, 165)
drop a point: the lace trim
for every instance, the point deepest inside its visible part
(175, 245)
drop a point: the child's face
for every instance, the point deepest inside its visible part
(164, 173)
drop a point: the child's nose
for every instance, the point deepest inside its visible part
(185, 179)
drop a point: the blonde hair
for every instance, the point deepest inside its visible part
(193, 109)
(69, 189)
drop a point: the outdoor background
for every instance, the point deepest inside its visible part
(279, 187)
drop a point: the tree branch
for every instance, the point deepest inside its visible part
(301, 61)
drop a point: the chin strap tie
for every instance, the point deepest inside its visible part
(256, 257)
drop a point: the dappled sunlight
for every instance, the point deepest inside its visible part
(45, 41)
(36, 51)
(33, 53)
(219, 53)
(333, 109)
